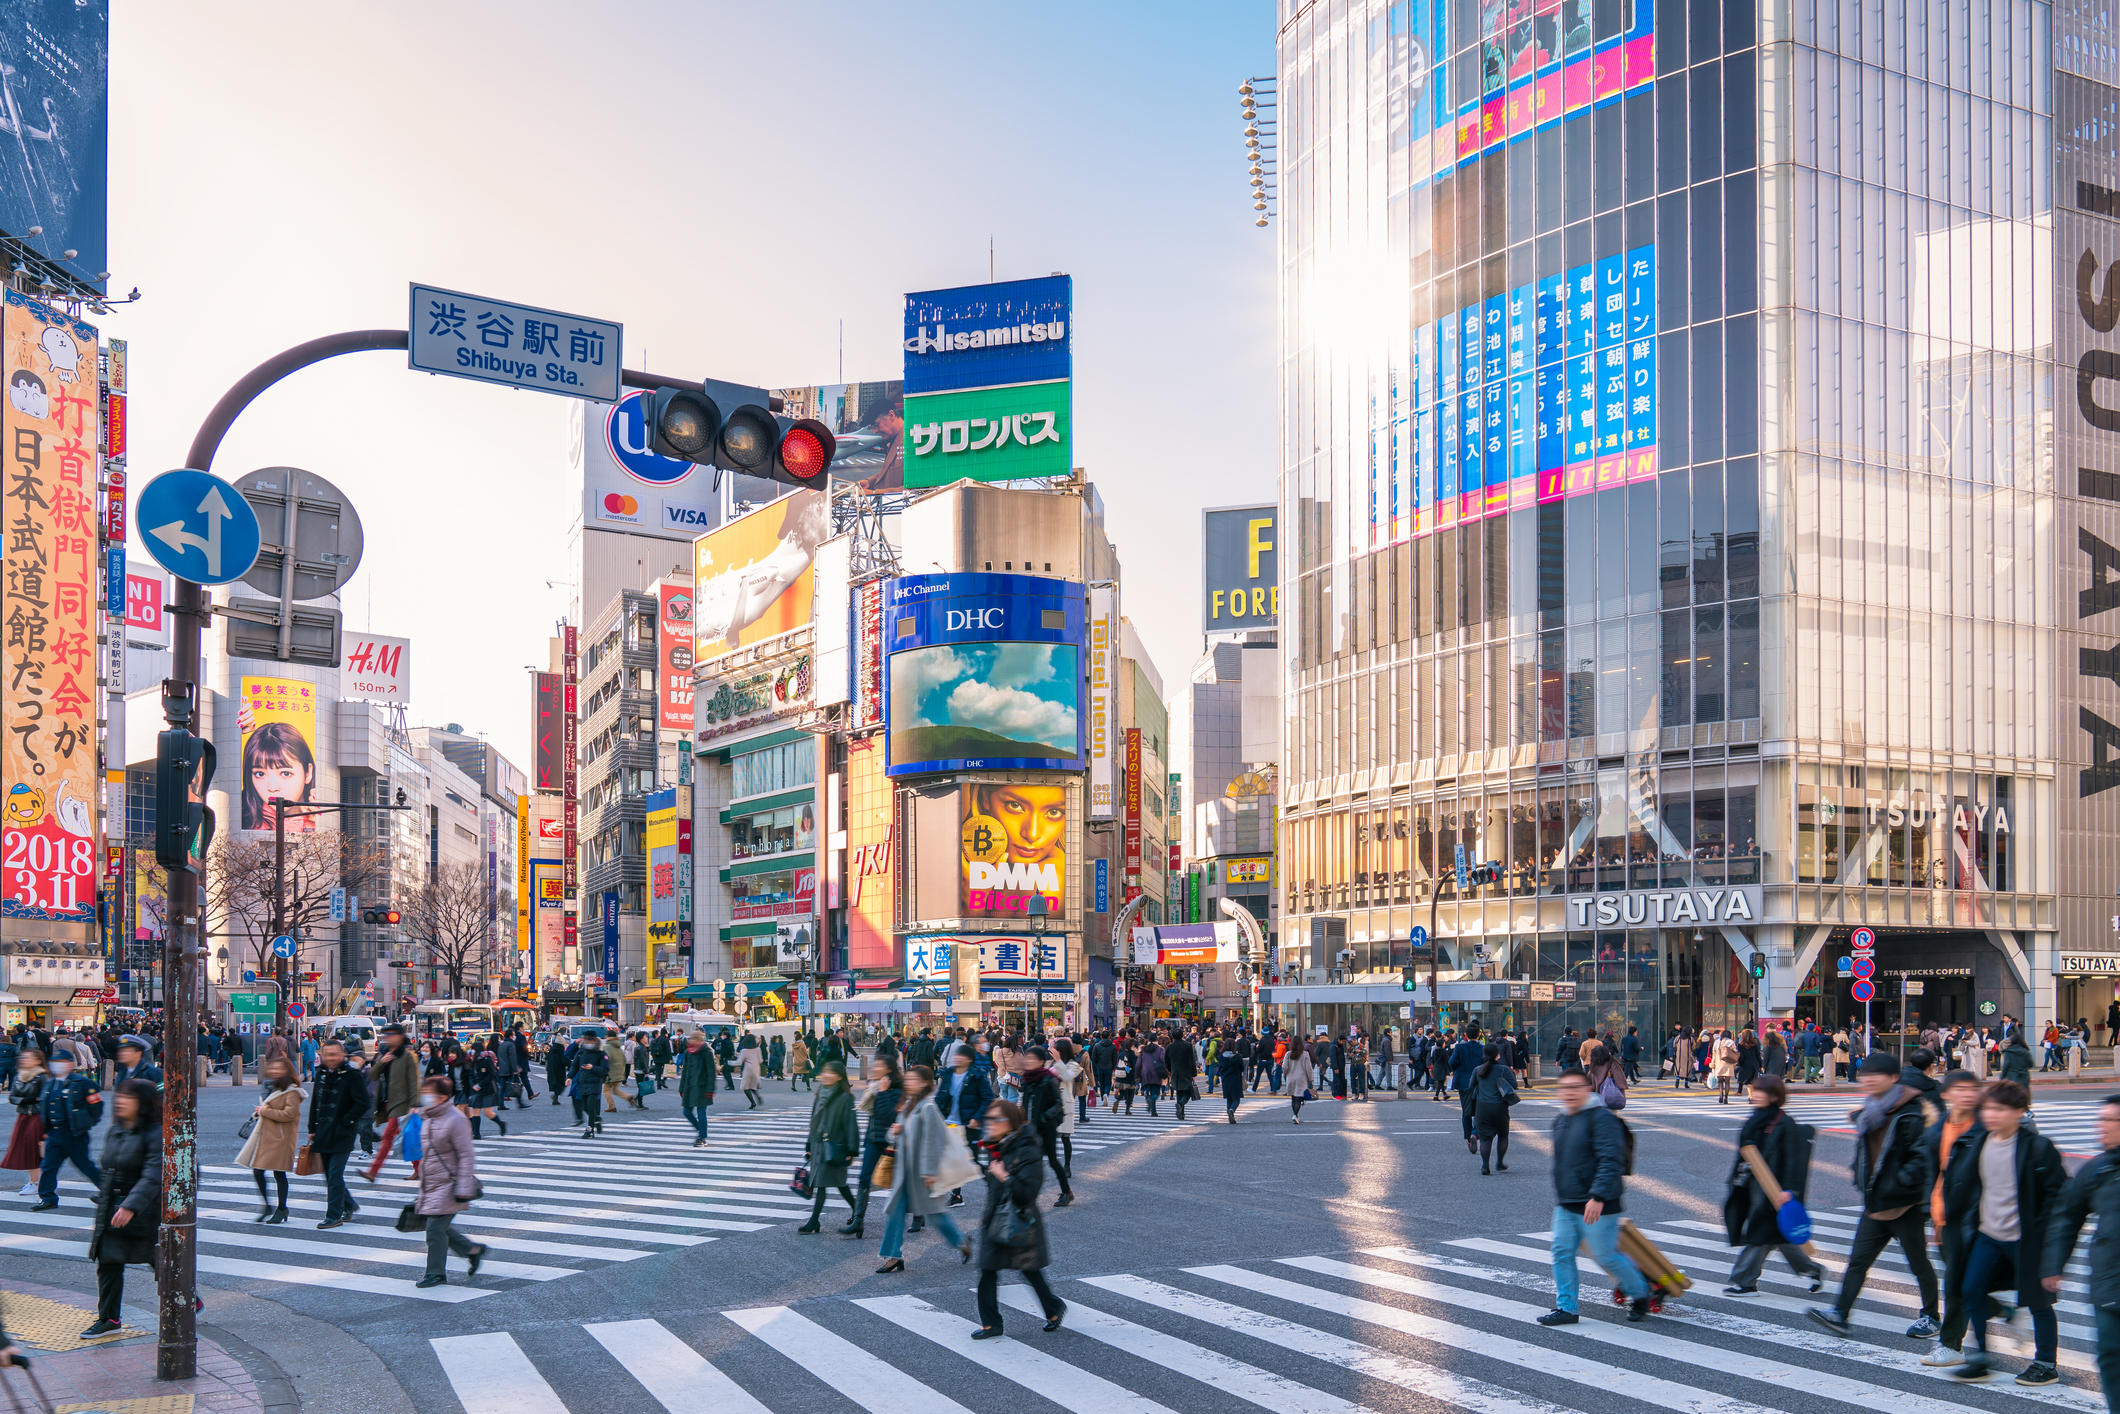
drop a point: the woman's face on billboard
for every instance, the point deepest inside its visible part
(279, 779)
(1035, 818)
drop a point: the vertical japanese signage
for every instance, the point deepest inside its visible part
(609, 915)
(570, 717)
(1133, 804)
(871, 865)
(1103, 698)
(48, 627)
(548, 733)
(663, 884)
(523, 938)
(868, 656)
(673, 649)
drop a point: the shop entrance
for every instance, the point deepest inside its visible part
(2087, 997)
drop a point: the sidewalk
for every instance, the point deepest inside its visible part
(116, 1375)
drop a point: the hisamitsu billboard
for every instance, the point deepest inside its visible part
(1241, 569)
(989, 336)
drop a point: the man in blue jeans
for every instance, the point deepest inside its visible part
(2094, 1191)
(1589, 1172)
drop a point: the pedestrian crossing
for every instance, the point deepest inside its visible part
(2070, 1121)
(1372, 1331)
(554, 1204)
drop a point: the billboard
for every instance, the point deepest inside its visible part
(1103, 698)
(661, 844)
(278, 721)
(1012, 846)
(1003, 957)
(868, 657)
(1133, 804)
(867, 419)
(376, 669)
(628, 487)
(871, 891)
(1185, 944)
(988, 382)
(143, 602)
(48, 785)
(55, 72)
(673, 648)
(1241, 585)
(754, 578)
(734, 702)
(984, 671)
(548, 736)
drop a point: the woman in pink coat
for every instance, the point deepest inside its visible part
(448, 1179)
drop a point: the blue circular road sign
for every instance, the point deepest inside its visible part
(1864, 967)
(1865, 990)
(283, 946)
(1420, 936)
(198, 527)
(626, 434)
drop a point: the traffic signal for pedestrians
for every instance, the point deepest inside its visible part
(1759, 967)
(690, 426)
(1409, 979)
(183, 825)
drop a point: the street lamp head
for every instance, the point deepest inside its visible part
(1037, 907)
(401, 797)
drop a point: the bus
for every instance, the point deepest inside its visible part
(510, 1012)
(438, 1018)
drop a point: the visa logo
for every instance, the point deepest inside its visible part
(687, 517)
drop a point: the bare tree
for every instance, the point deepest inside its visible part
(451, 915)
(238, 889)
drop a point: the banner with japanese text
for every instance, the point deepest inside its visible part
(48, 617)
(278, 720)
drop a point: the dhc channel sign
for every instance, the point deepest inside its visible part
(984, 672)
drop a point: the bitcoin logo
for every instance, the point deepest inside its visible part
(983, 839)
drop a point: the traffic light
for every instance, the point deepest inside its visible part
(183, 825)
(690, 426)
(1487, 873)
(1409, 979)
(1759, 967)
(381, 917)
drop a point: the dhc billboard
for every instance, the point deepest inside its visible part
(984, 672)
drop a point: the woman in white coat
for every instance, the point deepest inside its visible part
(750, 1070)
(1302, 1075)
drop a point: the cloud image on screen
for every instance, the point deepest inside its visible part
(961, 702)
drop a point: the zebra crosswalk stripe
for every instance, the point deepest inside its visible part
(1210, 1367)
(1043, 1374)
(491, 1375)
(1353, 1355)
(842, 1365)
(677, 1375)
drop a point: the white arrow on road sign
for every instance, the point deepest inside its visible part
(176, 537)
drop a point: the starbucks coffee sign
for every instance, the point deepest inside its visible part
(1665, 908)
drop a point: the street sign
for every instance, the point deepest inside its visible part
(1420, 936)
(338, 905)
(297, 1010)
(249, 976)
(314, 533)
(197, 527)
(1914, 988)
(1845, 966)
(1864, 967)
(1865, 990)
(1463, 879)
(515, 345)
(261, 1003)
(283, 946)
(1865, 939)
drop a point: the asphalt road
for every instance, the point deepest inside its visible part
(1358, 1260)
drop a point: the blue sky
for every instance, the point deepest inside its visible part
(1027, 692)
(730, 181)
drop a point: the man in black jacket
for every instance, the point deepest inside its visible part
(1183, 1067)
(1589, 1174)
(2094, 1189)
(1893, 1171)
(1045, 1104)
(1102, 1055)
(336, 1104)
(2002, 1183)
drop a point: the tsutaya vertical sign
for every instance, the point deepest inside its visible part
(48, 617)
(1103, 697)
(2086, 480)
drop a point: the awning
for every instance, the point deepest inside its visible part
(660, 992)
(874, 1005)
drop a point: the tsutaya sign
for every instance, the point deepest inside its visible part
(1657, 908)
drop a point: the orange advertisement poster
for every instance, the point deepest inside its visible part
(48, 616)
(754, 578)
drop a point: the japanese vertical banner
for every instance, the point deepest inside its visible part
(48, 616)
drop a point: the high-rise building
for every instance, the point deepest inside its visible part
(1673, 511)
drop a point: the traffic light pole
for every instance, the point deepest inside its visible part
(176, 1354)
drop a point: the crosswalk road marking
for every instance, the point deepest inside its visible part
(1399, 1326)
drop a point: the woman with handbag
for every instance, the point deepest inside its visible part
(834, 1138)
(1723, 1069)
(1302, 1075)
(25, 1143)
(1493, 1092)
(1012, 1233)
(271, 1136)
(932, 1160)
(879, 1099)
(448, 1180)
(1124, 1085)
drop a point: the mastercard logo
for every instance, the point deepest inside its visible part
(621, 505)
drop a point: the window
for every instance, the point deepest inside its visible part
(790, 829)
(775, 768)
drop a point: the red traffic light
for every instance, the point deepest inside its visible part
(392, 917)
(806, 451)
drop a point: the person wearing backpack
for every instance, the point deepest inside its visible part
(1749, 1218)
(1894, 1171)
(1592, 1154)
(1607, 1077)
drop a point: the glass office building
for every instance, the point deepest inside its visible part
(1669, 465)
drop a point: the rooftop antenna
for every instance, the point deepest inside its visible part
(990, 260)
(842, 350)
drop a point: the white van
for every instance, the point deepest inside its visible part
(366, 1029)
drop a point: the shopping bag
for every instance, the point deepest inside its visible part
(306, 1163)
(410, 1130)
(956, 1168)
(799, 1185)
(886, 1170)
